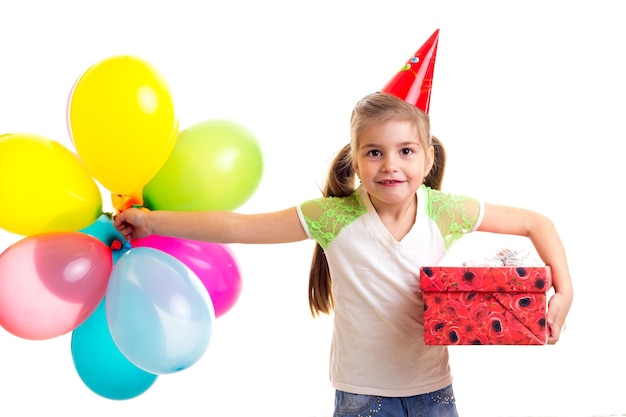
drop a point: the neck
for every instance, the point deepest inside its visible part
(397, 218)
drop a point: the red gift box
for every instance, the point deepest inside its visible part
(485, 305)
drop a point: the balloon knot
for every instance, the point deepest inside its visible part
(122, 202)
(116, 245)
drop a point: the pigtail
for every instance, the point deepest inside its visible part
(435, 176)
(339, 183)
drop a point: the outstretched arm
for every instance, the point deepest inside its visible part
(543, 235)
(212, 226)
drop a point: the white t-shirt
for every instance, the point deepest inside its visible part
(378, 345)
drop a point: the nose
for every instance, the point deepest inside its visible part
(389, 164)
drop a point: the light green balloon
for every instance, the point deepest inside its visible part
(215, 165)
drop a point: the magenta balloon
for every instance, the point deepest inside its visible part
(213, 263)
(51, 283)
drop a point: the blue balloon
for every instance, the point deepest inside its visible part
(103, 230)
(159, 313)
(100, 364)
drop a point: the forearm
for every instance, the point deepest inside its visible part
(227, 227)
(549, 247)
(211, 226)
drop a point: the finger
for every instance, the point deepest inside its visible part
(555, 334)
(118, 220)
(553, 313)
(121, 227)
(126, 231)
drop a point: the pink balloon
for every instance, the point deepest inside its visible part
(50, 283)
(213, 263)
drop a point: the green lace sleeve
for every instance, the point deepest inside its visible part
(455, 215)
(327, 217)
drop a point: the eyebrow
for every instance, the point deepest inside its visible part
(402, 144)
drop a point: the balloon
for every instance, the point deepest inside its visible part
(159, 314)
(103, 230)
(50, 283)
(67, 112)
(122, 122)
(44, 187)
(213, 263)
(215, 165)
(100, 364)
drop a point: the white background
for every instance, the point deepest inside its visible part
(528, 98)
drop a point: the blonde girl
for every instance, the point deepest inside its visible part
(381, 218)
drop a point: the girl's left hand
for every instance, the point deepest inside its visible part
(558, 307)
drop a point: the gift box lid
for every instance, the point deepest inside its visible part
(485, 279)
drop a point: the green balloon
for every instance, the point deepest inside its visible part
(215, 165)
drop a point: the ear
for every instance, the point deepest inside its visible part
(430, 160)
(355, 166)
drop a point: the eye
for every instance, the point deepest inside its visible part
(374, 153)
(406, 151)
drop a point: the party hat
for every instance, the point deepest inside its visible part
(414, 81)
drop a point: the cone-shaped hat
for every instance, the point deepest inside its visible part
(413, 83)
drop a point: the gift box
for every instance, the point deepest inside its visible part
(485, 305)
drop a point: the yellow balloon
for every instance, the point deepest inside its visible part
(44, 187)
(122, 122)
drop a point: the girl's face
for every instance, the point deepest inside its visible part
(391, 162)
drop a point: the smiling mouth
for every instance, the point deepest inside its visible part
(390, 182)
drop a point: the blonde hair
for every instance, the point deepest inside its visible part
(341, 181)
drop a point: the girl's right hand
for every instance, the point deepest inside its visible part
(133, 223)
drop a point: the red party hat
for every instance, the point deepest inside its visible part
(414, 81)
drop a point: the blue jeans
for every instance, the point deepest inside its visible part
(433, 404)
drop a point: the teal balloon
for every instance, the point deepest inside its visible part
(159, 313)
(100, 364)
(215, 165)
(103, 230)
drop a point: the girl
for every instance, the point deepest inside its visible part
(372, 240)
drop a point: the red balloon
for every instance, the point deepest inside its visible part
(213, 263)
